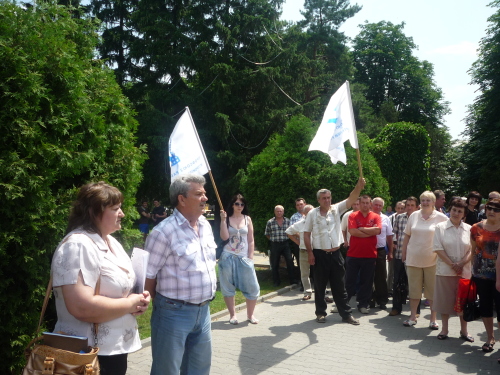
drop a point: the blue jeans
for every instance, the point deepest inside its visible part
(237, 272)
(181, 339)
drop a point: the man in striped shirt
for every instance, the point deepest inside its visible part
(181, 278)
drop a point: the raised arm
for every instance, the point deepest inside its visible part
(355, 193)
(224, 232)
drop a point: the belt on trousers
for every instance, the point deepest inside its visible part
(328, 251)
(192, 304)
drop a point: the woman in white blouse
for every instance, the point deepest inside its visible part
(89, 258)
(453, 247)
(418, 255)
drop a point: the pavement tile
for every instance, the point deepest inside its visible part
(288, 341)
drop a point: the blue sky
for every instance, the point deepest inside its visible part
(447, 33)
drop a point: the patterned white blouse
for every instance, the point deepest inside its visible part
(89, 254)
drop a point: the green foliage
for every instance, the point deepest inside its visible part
(64, 122)
(400, 87)
(285, 170)
(402, 151)
(481, 154)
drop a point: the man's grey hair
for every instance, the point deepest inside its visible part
(379, 199)
(181, 185)
(322, 191)
(308, 207)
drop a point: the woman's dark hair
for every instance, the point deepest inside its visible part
(91, 201)
(230, 209)
(475, 194)
(495, 202)
(459, 203)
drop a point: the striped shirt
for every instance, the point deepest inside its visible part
(181, 260)
(275, 232)
(399, 232)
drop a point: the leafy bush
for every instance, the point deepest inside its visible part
(286, 170)
(403, 153)
(64, 122)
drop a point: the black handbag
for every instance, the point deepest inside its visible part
(471, 308)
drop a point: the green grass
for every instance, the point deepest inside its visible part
(266, 286)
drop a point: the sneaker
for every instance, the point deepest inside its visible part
(364, 310)
(351, 320)
(320, 318)
(334, 310)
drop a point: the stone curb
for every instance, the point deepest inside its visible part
(214, 317)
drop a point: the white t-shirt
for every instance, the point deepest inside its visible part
(419, 251)
(344, 224)
(386, 231)
(456, 243)
(89, 253)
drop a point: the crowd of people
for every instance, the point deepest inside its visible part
(429, 250)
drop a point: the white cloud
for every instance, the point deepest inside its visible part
(463, 48)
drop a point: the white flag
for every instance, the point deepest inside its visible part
(336, 127)
(185, 151)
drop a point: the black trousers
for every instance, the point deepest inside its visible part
(113, 364)
(329, 266)
(397, 303)
(380, 292)
(278, 249)
(362, 270)
(296, 253)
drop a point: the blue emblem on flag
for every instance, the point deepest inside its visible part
(174, 159)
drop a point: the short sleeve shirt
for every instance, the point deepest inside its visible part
(298, 229)
(419, 252)
(363, 247)
(325, 230)
(89, 254)
(456, 243)
(344, 223)
(386, 231)
(181, 260)
(485, 256)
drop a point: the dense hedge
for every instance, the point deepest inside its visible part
(64, 122)
(403, 153)
(286, 170)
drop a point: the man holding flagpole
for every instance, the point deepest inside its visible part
(323, 222)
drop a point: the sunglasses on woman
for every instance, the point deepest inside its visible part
(239, 204)
(491, 208)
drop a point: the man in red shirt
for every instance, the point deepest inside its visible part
(364, 226)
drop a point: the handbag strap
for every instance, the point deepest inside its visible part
(47, 297)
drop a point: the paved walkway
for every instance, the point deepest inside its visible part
(288, 341)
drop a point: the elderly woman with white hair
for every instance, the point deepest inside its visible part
(419, 256)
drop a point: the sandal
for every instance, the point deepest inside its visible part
(306, 298)
(253, 320)
(488, 347)
(468, 338)
(409, 323)
(434, 326)
(233, 321)
(442, 337)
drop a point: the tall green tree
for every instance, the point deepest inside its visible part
(400, 86)
(481, 154)
(285, 170)
(64, 122)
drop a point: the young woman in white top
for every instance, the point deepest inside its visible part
(236, 268)
(88, 255)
